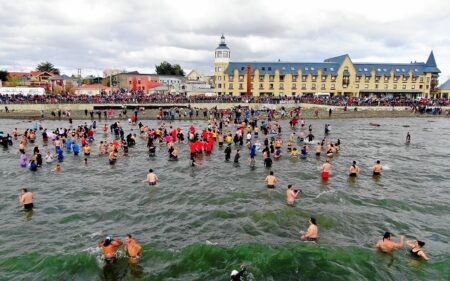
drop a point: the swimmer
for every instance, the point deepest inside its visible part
(85, 161)
(291, 195)
(295, 152)
(58, 168)
(227, 152)
(377, 168)
(408, 138)
(87, 150)
(26, 199)
(237, 156)
(386, 245)
(237, 275)
(152, 178)
(354, 170)
(271, 180)
(318, 149)
(109, 247)
(326, 169)
(313, 231)
(132, 248)
(416, 249)
(268, 162)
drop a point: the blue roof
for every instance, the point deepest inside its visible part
(445, 86)
(431, 66)
(284, 67)
(331, 66)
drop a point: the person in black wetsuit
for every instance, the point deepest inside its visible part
(227, 153)
(237, 156)
(416, 249)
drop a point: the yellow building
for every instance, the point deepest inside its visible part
(334, 76)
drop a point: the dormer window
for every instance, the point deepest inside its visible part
(269, 68)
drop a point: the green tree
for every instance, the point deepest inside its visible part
(166, 68)
(3, 75)
(47, 67)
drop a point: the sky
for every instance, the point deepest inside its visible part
(137, 35)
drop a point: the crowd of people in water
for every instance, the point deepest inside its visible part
(255, 131)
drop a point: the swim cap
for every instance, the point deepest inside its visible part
(108, 238)
(234, 272)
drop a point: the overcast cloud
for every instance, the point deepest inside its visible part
(137, 35)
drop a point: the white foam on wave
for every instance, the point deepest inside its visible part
(324, 192)
(211, 243)
(386, 167)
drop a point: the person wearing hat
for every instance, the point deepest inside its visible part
(109, 247)
(387, 245)
(237, 275)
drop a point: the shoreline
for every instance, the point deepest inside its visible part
(152, 114)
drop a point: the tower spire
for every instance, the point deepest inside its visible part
(431, 62)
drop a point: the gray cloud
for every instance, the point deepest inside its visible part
(94, 35)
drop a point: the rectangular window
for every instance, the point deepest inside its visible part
(304, 77)
(395, 86)
(421, 87)
(271, 77)
(261, 86)
(357, 86)
(333, 78)
(241, 78)
(395, 78)
(376, 86)
(367, 79)
(404, 87)
(240, 86)
(366, 86)
(281, 78)
(405, 78)
(314, 78)
(377, 79)
(230, 86)
(294, 78)
(322, 87)
(271, 86)
(358, 78)
(313, 86)
(139, 82)
(303, 86)
(428, 79)
(413, 87)
(219, 86)
(386, 78)
(231, 78)
(269, 68)
(282, 86)
(385, 86)
(333, 86)
(261, 78)
(421, 79)
(324, 78)
(294, 86)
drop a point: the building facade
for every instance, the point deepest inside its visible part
(337, 76)
(135, 81)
